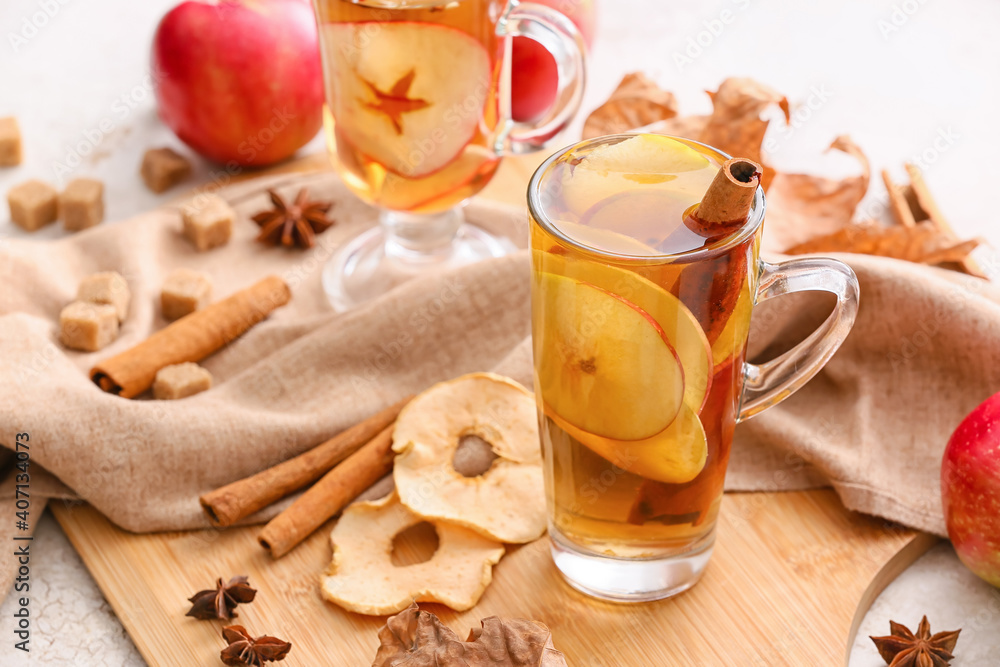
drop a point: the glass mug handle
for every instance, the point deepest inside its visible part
(560, 37)
(770, 383)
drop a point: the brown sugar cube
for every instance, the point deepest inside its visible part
(163, 168)
(10, 142)
(88, 326)
(106, 287)
(32, 205)
(81, 204)
(208, 221)
(181, 381)
(183, 292)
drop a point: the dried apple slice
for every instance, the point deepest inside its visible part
(605, 365)
(679, 326)
(401, 91)
(640, 161)
(675, 455)
(362, 577)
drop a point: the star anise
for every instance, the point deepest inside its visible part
(902, 648)
(221, 601)
(295, 224)
(246, 651)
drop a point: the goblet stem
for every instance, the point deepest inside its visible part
(404, 246)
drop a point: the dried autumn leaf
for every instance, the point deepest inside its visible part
(509, 643)
(637, 101)
(801, 206)
(913, 244)
(955, 256)
(735, 126)
(414, 638)
(688, 127)
(409, 634)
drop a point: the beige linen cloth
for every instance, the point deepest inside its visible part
(924, 352)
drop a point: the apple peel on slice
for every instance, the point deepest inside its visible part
(675, 455)
(679, 325)
(604, 363)
(401, 91)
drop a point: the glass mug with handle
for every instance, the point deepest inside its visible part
(639, 330)
(417, 118)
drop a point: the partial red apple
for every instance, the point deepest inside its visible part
(239, 81)
(970, 488)
(534, 78)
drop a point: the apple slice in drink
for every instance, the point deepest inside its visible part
(604, 364)
(409, 95)
(675, 455)
(605, 239)
(628, 214)
(636, 163)
(679, 326)
(733, 337)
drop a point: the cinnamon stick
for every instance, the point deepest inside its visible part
(191, 338)
(329, 495)
(228, 504)
(711, 288)
(912, 204)
(727, 202)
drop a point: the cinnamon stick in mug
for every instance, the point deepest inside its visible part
(191, 338)
(228, 504)
(329, 495)
(707, 287)
(728, 199)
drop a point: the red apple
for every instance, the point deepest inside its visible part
(970, 488)
(534, 78)
(239, 81)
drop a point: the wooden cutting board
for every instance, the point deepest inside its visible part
(788, 572)
(787, 575)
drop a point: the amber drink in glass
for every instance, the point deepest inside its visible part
(417, 119)
(640, 324)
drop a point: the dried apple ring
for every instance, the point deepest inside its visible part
(362, 577)
(505, 498)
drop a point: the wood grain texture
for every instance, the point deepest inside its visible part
(788, 572)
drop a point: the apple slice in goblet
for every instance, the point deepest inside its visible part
(409, 95)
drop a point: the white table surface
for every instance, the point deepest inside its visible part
(907, 79)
